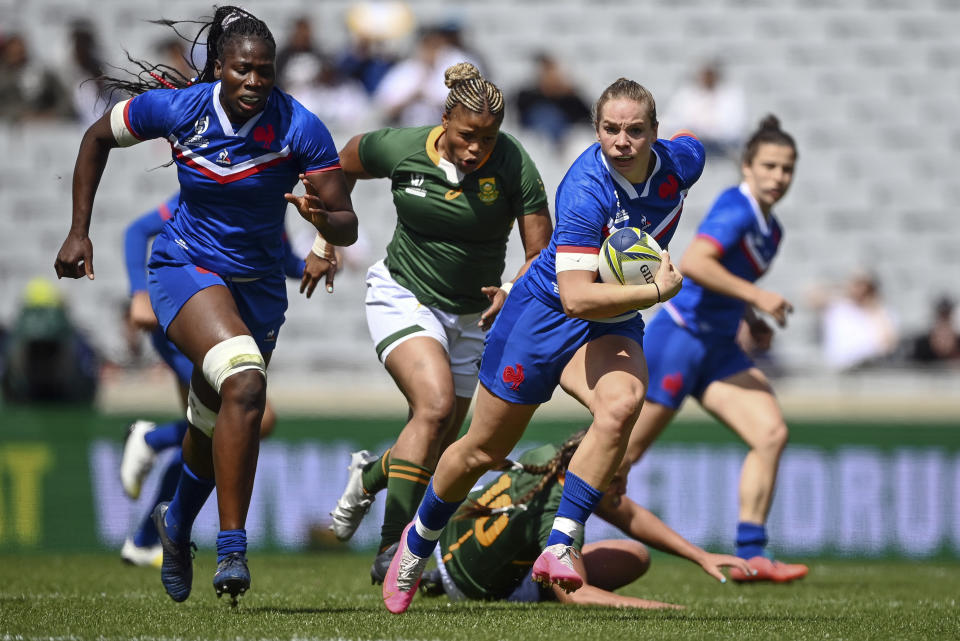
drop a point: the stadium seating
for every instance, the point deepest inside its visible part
(868, 90)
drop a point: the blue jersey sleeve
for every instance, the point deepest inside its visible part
(314, 146)
(725, 224)
(138, 236)
(690, 157)
(581, 215)
(151, 114)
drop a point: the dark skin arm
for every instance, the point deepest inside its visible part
(319, 267)
(75, 258)
(326, 205)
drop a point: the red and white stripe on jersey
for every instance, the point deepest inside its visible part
(755, 257)
(231, 173)
(581, 258)
(670, 220)
(123, 133)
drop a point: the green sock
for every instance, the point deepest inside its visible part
(374, 476)
(406, 486)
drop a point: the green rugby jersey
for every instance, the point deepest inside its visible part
(488, 557)
(452, 229)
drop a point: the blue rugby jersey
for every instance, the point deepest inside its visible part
(594, 199)
(747, 242)
(140, 231)
(232, 180)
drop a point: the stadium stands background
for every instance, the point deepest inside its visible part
(869, 88)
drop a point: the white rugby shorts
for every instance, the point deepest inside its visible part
(394, 315)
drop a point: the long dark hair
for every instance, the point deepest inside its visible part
(228, 22)
(549, 473)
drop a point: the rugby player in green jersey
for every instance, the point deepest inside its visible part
(488, 549)
(458, 189)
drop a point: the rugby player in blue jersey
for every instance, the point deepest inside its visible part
(691, 344)
(561, 326)
(215, 274)
(145, 439)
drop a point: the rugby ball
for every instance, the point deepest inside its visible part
(629, 256)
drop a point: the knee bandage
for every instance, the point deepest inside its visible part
(231, 356)
(199, 415)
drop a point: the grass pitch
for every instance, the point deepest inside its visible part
(328, 596)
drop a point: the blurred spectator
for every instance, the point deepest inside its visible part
(550, 105)
(451, 30)
(28, 89)
(373, 27)
(942, 341)
(341, 103)
(299, 49)
(413, 92)
(83, 73)
(858, 329)
(45, 357)
(712, 108)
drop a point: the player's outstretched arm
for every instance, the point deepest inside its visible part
(643, 525)
(592, 595)
(75, 258)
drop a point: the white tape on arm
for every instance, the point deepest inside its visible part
(322, 249)
(575, 260)
(118, 124)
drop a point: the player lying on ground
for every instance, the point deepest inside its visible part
(488, 549)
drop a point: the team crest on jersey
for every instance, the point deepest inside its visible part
(200, 126)
(416, 186)
(488, 190)
(223, 158)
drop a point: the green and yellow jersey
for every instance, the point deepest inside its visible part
(452, 229)
(488, 557)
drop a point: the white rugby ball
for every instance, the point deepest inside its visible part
(629, 256)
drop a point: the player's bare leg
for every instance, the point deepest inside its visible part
(746, 404)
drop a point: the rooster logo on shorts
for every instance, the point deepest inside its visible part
(513, 377)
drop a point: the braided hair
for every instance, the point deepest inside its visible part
(468, 88)
(228, 23)
(768, 132)
(549, 473)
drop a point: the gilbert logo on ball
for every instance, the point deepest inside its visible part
(629, 256)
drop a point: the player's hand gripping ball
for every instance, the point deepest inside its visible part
(629, 256)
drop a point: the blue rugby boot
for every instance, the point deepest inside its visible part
(232, 576)
(176, 571)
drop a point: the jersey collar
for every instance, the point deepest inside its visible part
(755, 206)
(453, 174)
(225, 123)
(625, 184)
